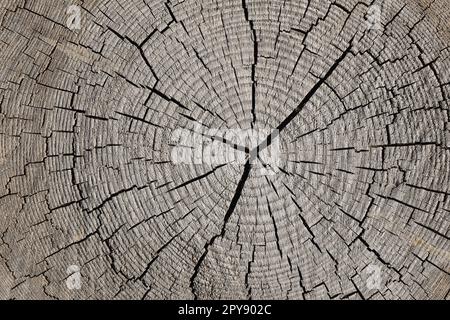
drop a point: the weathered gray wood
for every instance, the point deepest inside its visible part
(360, 208)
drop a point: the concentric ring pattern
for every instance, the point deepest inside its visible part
(99, 99)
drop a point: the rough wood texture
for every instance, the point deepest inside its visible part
(88, 186)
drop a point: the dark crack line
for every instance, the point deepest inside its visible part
(267, 142)
(227, 142)
(275, 228)
(231, 208)
(307, 226)
(169, 99)
(432, 230)
(255, 60)
(139, 48)
(138, 119)
(197, 178)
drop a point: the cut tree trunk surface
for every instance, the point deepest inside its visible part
(98, 96)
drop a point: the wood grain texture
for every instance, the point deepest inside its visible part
(87, 178)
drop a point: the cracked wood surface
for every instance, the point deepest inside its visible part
(86, 177)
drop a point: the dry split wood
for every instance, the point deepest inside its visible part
(92, 205)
